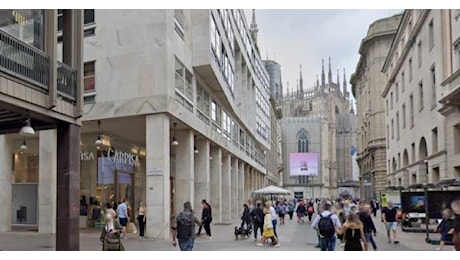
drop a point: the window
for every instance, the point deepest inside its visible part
(88, 19)
(434, 137)
(410, 69)
(411, 110)
(419, 53)
(431, 35)
(387, 106)
(403, 82)
(216, 41)
(88, 16)
(420, 90)
(404, 115)
(397, 126)
(413, 152)
(456, 138)
(88, 77)
(396, 92)
(183, 81)
(457, 55)
(303, 140)
(202, 100)
(226, 125)
(26, 25)
(392, 129)
(433, 86)
(179, 22)
(391, 100)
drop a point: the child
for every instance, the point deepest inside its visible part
(268, 230)
(444, 227)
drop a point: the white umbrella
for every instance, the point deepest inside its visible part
(272, 190)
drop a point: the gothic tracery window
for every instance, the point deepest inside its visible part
(303, 141)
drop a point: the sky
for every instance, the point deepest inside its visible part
(304, 37)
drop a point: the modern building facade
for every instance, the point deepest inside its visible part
(368, 82)
(40, 119)
(179, 100)
(318, 122)
(416, 65)
(276, 85)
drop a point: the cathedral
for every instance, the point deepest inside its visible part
(318, 138)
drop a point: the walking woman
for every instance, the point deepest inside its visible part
(268, 228)
(110, 235)
(141, 218)
(353, 232)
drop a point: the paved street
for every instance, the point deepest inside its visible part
(293, 237)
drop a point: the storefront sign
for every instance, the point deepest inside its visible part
(86, 156)
(122, 157)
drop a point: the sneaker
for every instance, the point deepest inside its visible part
(277, 245)
(260, 244)
(396, 242)
(208, 237)
(255, 239)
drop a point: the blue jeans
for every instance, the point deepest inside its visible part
(274, 222)
(328, 244)
(186, 244)
(370, 238)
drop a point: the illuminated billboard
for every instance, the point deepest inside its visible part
(303, 164)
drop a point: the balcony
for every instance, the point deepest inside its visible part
(32, 65)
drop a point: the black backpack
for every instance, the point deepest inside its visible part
(326, 226)
(185, 225)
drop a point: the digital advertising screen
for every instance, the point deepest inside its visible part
(413, 202)
(303, 164)
(439, 200)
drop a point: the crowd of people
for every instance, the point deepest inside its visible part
(349, 222)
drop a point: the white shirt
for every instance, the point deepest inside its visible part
(273, 213)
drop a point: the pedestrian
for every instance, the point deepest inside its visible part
(206, 219)
(328, 224)
(268, 228)
(258, 219)
(444, 227)
(110, 234)
(455, 229)
(291, 208)
(246, 218)
(274, 217)
(300, 211)
(282, 210)
(353, 232)
(368, 224)
(310, 210)
(123, 217)
(183, 227)
(374, 207)
(141, 218)
(389, 217)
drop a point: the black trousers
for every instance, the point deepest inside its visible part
(140, 220)
(257, 226)
(207, 228)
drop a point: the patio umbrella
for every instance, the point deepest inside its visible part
(272, 190)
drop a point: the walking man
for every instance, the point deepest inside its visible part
(123, 217)
(258, 219)
(206, 219)
(184, 228)
(389, 214)
(368, 224)
(328, 224)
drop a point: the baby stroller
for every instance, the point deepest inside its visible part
(112, 242)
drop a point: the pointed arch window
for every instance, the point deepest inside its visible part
(303, 141)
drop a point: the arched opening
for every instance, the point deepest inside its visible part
(422, 149)
(405, 158)
(394, 164)
(303, 141)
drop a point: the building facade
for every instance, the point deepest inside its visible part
(40, 119)
(368, 82)
(417, 140)
(321, 123)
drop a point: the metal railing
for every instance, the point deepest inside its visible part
(23, 60)
(66, 82)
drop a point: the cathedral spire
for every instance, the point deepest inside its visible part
(317, 81)
(329, 74)
(352, 110)
(254, 30)
(345, 92)
(301, 80)
(323, 76)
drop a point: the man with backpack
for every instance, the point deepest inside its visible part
(258, 219)
(184, 228)
(328, 224)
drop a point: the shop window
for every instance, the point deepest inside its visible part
(25, 168)
(89, 77)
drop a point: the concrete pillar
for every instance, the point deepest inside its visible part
(216, 184)
(235, 188)
(184, 175)
(47, 177)
(6, 176)
(241, 184)
(202, 174)
(68, 187)
(157, 186)
(226, 187)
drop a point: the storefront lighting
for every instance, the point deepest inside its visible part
(142, 152)
(98, 141)
(194, 147)
(23, 145)
(174, 141)
(27, 129)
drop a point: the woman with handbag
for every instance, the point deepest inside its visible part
(110, 235)
(141, 218)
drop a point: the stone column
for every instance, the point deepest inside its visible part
(241, 184)
(68, 187)
(247, 183)
(184, 175)
(202, 174)
(226, 187)
(47, 176)
(6, 177)
(235, 188)
(216, 184)
(157, 186)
